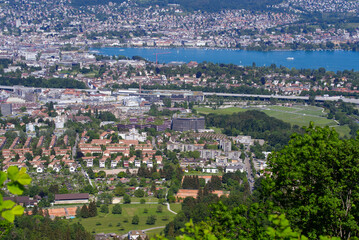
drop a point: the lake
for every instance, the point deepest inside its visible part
(330, 60)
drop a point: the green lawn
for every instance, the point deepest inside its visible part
(108, 222)
(297, 115)
(148, 199)
(343, 130)
(153, 233)
(300, 119)
(176, 207)
(217, 130)
(230, 110)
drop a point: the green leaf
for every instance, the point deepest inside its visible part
(8, 215)
(15, 188)
(8, 204)
(3, 177)
(24, 179)
(13, 173)
(22, 171)
(18, 210)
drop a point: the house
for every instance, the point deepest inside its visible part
(89, 161)
(234, 168)
(40, 168)
(114, 163)
(102, 163)
(210, 170)
(221, 160)
(126, 164)
(135, 234)
(72, 168)
(137, 163)
(57, 168)
(72, 198)
(149, 164)
(25, 201)
(158, 159)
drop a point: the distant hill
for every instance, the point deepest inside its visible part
(192, 5)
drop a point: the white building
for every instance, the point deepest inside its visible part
(210, 170)
(234, 168)
(30, 127)
(137, 163)
(102, 163)
(133, 134)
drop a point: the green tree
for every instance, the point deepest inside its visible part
(314, 179)
(117, 209)
(92, 209)
(28, 156)
(139, 193)
(133, 182)
(119, 191)
(78, 212)
(151, 220)
(159, 209)
(104, 208)
(84, 211)
(126, 199)
(167, 102)
(135, 220)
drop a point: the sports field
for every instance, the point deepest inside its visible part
(300, 115)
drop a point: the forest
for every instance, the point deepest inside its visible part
(40, 226)
(43, 83)
(255, 124)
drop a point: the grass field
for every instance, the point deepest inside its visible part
(177, 207)
(121, 223)
(297, 115)
(230, 110)
(148, 199)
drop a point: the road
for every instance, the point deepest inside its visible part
(169, 209)
(284, 97)
(164, 92)
(249, 171)
(74, 149)
(149, 229)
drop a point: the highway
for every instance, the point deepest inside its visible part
(283, 97)
(166, 92)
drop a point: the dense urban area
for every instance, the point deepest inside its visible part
(117, 147)
(47, 24)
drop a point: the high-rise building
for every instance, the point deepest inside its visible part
(188, 123)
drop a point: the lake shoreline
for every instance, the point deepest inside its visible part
(228, 49)
(331, 60)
